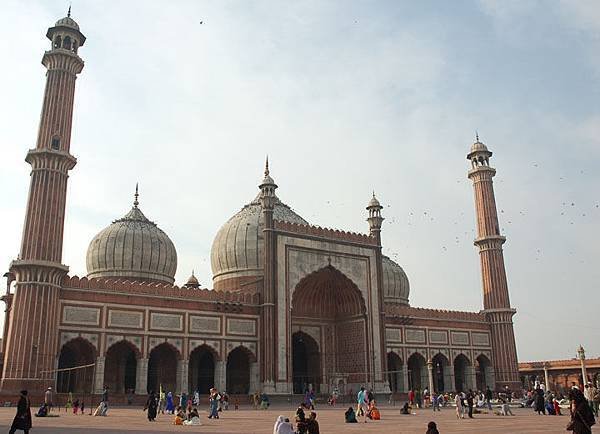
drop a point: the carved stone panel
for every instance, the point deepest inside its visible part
(460, 338)
(480, 339)
(81, 315)
(393, 335)
(205, 324)
(245, 327)
(123, 318)
(438, 337)
(415, 335)
(166, 321)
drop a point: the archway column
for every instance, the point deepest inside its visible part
(430, 375)
(472, 375)
(452, 378)
(405, 383)
(254, 380)
(221, 375)
(141, 381)
(99, 374)
(182, 375)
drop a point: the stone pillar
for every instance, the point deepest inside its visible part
(254, 378)
(178, 377)
(141, 374)
(99, 374)
(405, 384)
(473, 377)
(430, 375)
(221, 375)
(452, 385)
(183, 379)
(547, 381)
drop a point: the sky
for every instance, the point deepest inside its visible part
(345, 98)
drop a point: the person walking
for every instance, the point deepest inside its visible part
(435, 402)
(362, 406)
(539, 401)
(488, 397)
(48, 398)
(22, 419)
(214, 403)
(596, 400)
(582, 417)
(105, 401)
(459, 406)
(470, 403)
(151, 406)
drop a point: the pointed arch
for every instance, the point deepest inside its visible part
(76, 353)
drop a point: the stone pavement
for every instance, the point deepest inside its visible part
(248, 421)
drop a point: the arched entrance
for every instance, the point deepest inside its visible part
(162, 368)
(461, 372)
(441, 373)
(417, 372)
(483, 373)
(75, 353)
(201, 370)
(238, 371)
(306, 363)
(332, 305)
(120, 367)
(395, 374)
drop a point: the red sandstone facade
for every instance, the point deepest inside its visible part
(295, 306)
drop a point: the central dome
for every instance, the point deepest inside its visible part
(237, 251)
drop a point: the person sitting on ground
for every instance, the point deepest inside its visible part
(432, 428)
(505, 408)
(373, 412)
(179, 416)
(193, 418)
(42, 411)
(285, 427)
(312, 425)
(550, 408)
(556, 407)
(278, 422)
(350, 416)
(404, 409)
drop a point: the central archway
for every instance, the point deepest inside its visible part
(332, 306)
(202, 370)
(306, 363)
(121, 367)
(162, 368)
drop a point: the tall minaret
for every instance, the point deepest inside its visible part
(32, 341)
(496, 302)
(268, 320)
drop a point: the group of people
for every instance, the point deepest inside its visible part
(186, 412)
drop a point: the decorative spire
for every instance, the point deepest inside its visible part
(136, 195)
(476, 136)
(267, 166)
(69, 12)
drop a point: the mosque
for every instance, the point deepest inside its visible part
(293, 306)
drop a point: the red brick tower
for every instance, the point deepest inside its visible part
(32, 338)
(496, 302)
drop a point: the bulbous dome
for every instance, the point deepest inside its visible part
(67, 22)
(238, 248)
(132, 247)
(396, 288)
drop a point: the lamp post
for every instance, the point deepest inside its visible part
(581, 357)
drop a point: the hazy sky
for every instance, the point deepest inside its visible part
(345, 97)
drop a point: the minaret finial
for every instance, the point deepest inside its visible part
(373, 193)
(136, 195)
(69, 12)
(267, 166)
(476, 136)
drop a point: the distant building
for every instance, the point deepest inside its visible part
(562, 374)
(294, 306)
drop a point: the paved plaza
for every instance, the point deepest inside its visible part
(250, 421)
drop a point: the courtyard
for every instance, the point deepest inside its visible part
(249, 421)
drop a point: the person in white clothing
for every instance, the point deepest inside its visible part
(459, 406)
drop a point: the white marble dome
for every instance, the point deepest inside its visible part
(132, 247)
(396, 288)
(67, 22)
(237, 250)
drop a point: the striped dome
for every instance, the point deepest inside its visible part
(396, 288)
(132, 247)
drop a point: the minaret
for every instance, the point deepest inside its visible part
(496, 302)
(31, 347)
(375, 221)
(268, 332)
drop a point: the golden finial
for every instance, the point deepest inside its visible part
(136, 195)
